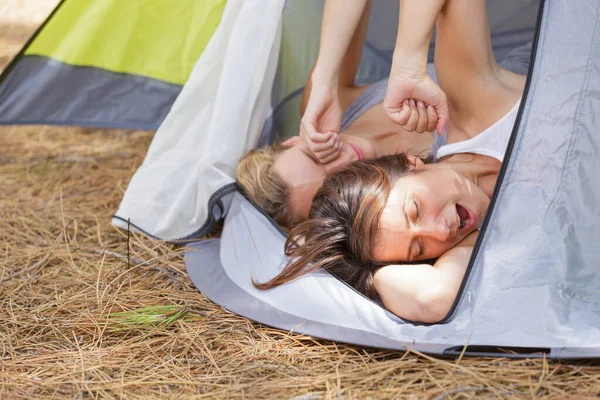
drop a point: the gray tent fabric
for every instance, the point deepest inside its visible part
(29, 96)
(533, 283)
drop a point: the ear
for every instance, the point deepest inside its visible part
(294, 140)
(416, 163)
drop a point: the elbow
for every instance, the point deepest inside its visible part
(433, 305)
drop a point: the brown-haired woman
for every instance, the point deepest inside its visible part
(400, 209)
(283, 179)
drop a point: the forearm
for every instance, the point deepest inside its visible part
(340, 21)
(415, 26)
(423, 293)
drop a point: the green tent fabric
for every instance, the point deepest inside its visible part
(107, 63)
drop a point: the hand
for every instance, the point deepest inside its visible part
(321, 123)
(415, 102)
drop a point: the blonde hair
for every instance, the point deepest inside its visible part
(262, 185)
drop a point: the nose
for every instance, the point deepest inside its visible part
(434, 228)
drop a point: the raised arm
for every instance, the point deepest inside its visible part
(413, 100)
(343, 29)
(340, 23)
(424, 293)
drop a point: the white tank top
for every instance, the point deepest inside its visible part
(492, 142)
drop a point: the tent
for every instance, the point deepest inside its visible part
(532, 286)
(107, 63)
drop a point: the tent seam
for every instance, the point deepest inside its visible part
(576, 122)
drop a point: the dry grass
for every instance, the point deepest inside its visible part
(66, 278)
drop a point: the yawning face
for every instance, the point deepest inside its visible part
(428, 212)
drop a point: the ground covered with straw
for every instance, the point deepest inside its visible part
(86, 312)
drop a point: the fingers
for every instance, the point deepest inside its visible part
(332, 139)
(411, 125)
(405, 113)
(412, 116)
(442, 113)
(399, 115)
(310, 134)
(432, 118)
(423, 117)
(441, 125)
(416, 116)
(335, 153)
(324, 146)
(328, 154)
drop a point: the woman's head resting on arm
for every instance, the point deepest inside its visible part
(282, 179)
(427, 213)
(375, 212)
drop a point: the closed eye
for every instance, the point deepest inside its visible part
(417, 218)
(418, 208)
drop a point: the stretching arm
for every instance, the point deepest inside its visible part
(413, 100)
(340, 22)
(415, 26)
(344, 22)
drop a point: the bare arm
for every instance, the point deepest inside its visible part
(479, 91)
(413, 100)
(415, 26)
(343, 23)
(423, 292)
(339, 26)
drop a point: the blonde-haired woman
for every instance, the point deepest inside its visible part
(283, 179)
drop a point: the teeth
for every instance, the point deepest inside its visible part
(463, 216)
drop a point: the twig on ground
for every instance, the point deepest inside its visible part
(26, 270)
(140, 262)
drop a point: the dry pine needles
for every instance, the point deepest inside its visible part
(83, 316)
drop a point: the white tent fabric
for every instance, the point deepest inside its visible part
(216, 119)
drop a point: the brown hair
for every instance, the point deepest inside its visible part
(339, 235)
(259, 181)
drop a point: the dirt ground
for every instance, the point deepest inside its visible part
(80, 318)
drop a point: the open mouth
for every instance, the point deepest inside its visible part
(466, 219)
(358, 151)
